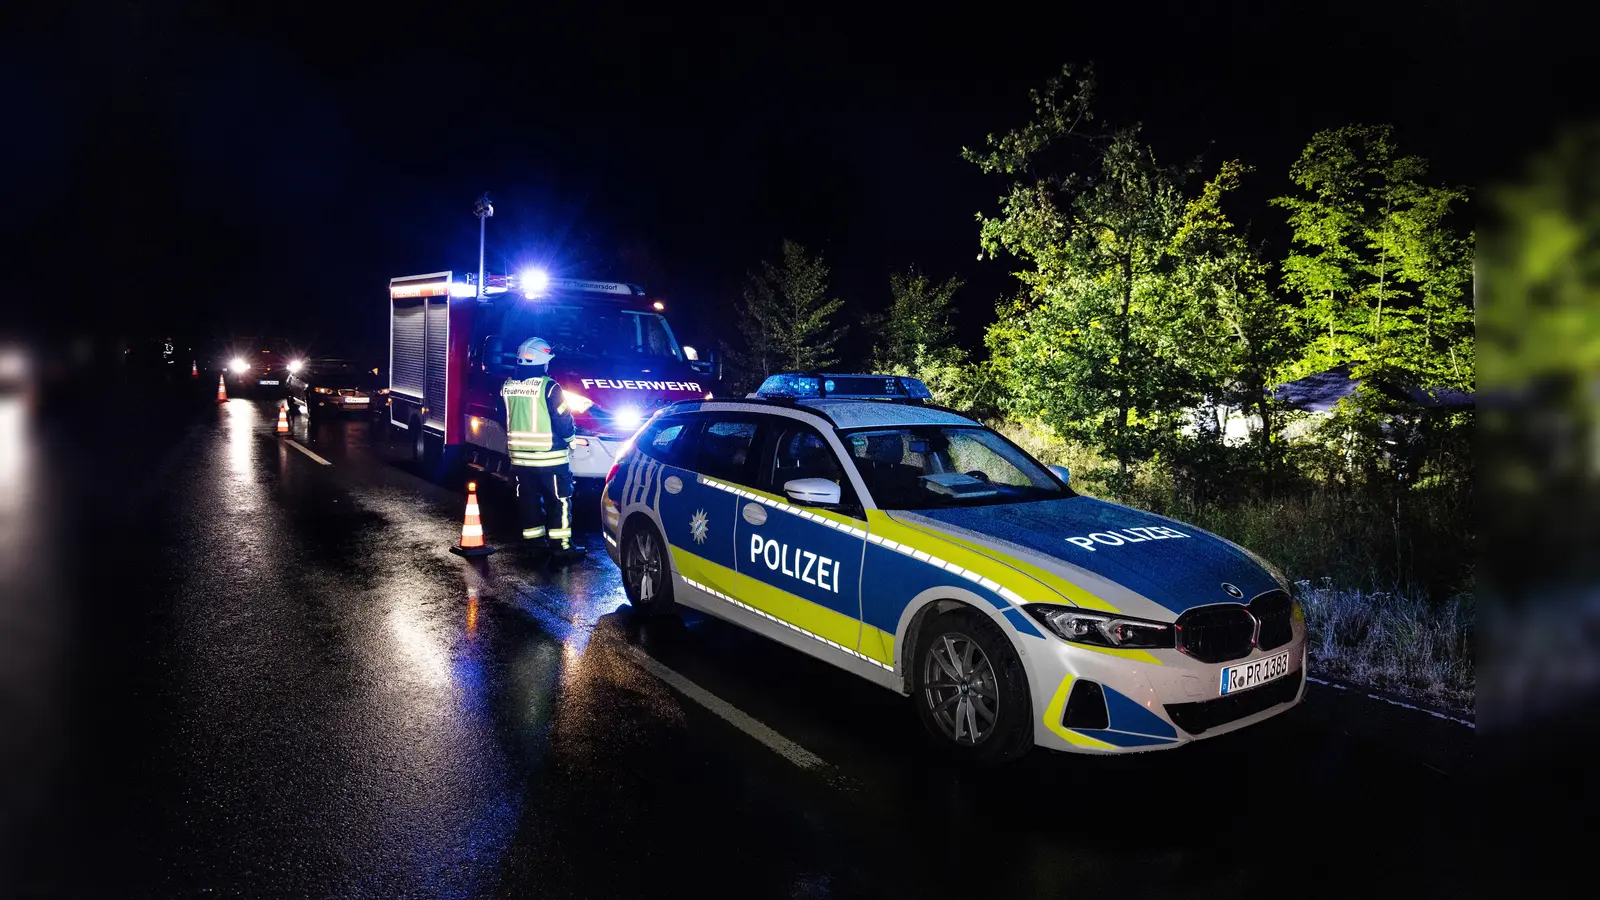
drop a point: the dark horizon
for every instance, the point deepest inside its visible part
(243, 172)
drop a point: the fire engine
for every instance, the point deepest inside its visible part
(451, 347)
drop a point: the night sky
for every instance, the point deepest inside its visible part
(192, 168)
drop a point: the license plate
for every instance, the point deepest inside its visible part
(268, 381)
(1252, 674)
(355, 399)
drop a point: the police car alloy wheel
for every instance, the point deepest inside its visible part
(970, 689)
(960, 686)
(646, 577)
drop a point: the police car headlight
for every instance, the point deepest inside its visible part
(1082, 626)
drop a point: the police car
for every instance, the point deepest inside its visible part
(849, 518)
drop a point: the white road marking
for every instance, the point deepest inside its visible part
(781, 745)
(296, 444)
(1436, 715)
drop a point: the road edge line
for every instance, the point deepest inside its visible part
(731, 714)
(1392, 702)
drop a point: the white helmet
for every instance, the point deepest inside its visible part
(534, 352)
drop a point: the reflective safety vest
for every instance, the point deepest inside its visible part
(530, 438)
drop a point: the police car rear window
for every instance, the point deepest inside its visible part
(664, 440)
(727, 450)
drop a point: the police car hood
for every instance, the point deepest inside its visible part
(1142, 564)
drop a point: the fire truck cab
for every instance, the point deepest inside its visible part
(616, 358)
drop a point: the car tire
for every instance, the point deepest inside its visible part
(970, 689)
(646, 572)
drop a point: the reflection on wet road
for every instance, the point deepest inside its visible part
(319, 699)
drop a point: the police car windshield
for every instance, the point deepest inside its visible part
(932, 466)
(587, 331)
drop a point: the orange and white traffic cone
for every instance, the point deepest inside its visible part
(194, 369)
(283, 417)
(472, 528)
(222, 391)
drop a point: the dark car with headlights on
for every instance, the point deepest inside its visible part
(262, 369)
(339, 387)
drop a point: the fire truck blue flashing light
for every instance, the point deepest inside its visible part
(534, 282)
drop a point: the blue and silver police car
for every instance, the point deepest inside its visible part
(848, 518)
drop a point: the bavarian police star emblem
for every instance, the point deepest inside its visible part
(697, 526)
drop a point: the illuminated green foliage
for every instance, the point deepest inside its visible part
(915, 331)
(1382, 272)
(1141, 300)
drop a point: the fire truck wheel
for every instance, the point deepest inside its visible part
(419, 443)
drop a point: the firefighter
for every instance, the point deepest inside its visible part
(538, 428)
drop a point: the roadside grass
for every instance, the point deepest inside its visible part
(1387, 587)
(1392, 642)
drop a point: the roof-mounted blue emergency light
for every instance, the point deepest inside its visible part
(822, 385)
(535, 283)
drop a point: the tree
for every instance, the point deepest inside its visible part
(1381, 271)
(915, 332)
(786, 318)
(1239, 341)
(1089, 349)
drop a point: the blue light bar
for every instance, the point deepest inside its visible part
(817, 386)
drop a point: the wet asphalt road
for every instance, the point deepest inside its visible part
(266, 676)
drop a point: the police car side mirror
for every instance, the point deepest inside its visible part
(1061, 473)
(812, 491)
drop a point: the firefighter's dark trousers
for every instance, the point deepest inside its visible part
(544, 502)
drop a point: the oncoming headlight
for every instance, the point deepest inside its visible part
(239, 365)
(1082, 626)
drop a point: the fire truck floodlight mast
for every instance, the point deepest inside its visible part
(483, 209)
